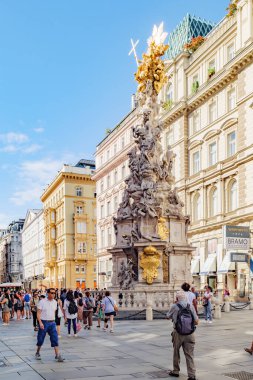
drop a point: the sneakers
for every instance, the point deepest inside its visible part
(75, 335)
(210, 321)
(111, 331)
(37, 356)
(59, 359)
(173, 374)
(191, 378)
(104, 329)
(69, 335)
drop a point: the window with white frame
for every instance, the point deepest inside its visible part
(82, 269)
(122, 142)
(197, 207)
(81, 227)
(81, 247)
(115, 176)
(212, 153)
(53, 233)
(169, 92)
(52, 216)
(196, 162)
(211, 64)
(232, 196)
(78, 191)
(109, 236)
(212, 111)
(102, 186)
(77, 269)
(102, 214)
(213, 199)
(102, 238)
(108, 181)
(115, 203)
(231, 147)
(231, 99)
(170, 138)
(108, 208)
(195, 121)
(123, 172)
(230, 51)
(79, 209)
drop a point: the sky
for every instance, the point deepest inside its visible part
(65, 77)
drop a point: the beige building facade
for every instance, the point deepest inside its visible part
(69, 206)
(209, 128)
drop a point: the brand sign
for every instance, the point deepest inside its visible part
(238, 257)
(236, 237)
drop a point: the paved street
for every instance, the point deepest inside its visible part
(138, 349)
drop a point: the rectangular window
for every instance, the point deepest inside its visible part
(102, 239)
(108, 155)
(115, 176)
(115, 149)
(122, 142)
(212, 153)
(230, 52)
(231, 143)
(212, 111)
(170, 138)
(211, 64)
(196, 162)
(195, 122)
(94, 268)
(108, 208)
(81, 247)
(102, 211)
(231, 99)
(115, 204)
(53, 233)
(212, 246)
(82, 269)
(123, 172)
(77, 269)
(79, 209)
(102, 186)
(52, 216)
(78, 191)
(108, 181)
(81, 227)
(109, 236)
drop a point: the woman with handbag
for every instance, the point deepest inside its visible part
(110, 308)
(58, 314)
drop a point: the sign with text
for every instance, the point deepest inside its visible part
(236, 237)
(239, 257)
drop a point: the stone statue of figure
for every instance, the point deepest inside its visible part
(130, 275)
(135, 232)
(124, 210)
(175, 204)
(170, 155)
(122, 274)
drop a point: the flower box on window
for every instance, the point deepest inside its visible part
(211, 72)
(195, 86)
(194, 44)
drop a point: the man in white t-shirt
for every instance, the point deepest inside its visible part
(191, 298)
(46, 317)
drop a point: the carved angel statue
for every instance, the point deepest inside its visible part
(158, 35)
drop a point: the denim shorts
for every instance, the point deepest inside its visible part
(50, 328)
(27, 306)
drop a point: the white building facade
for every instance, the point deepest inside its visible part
(33, 248)
(209, 125)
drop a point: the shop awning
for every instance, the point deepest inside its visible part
(209, 266)
(226, 266)
(195, 265)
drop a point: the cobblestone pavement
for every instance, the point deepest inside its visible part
(137, 350)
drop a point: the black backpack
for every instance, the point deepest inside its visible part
(80, 302)
(72, 308)
(185, 320)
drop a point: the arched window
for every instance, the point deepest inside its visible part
(196, 207)
(232, 195)
(213, 205)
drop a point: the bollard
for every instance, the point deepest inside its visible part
(251, 301)
(227, 304)
(217, 311)
(149, 313)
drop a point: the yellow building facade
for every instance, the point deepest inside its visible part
(69, 205)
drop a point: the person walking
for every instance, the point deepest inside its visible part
(27, 308)
(88, 305)
(6, 308)
(80, 308)
(46, 318)
(109, 306)
(207, 303)
(184, 318)
(70, 311)
(100, 311)
(34, 304)
(191, 298)
(59, 313)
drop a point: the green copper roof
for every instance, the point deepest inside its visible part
(190, 26)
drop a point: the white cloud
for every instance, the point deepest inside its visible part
(39, 130)
(12, 137)
(10, 148)
(32, 148)
(5, 220)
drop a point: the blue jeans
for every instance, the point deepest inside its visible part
(50, 328)
(74, 325)
(208, 312)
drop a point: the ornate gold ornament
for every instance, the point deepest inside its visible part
(150, 261)
(152, 67)
(163, 230)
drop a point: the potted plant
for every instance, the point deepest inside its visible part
(195, 86)
(194, 44)
(211, 72)
(232, 8)
(167, 105)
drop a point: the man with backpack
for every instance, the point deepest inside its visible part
(185, 319)
(27, 307)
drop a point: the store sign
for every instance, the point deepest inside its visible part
(239, 257)
(236, 237)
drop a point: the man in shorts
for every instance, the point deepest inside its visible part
(46, 318)
(27, 307)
